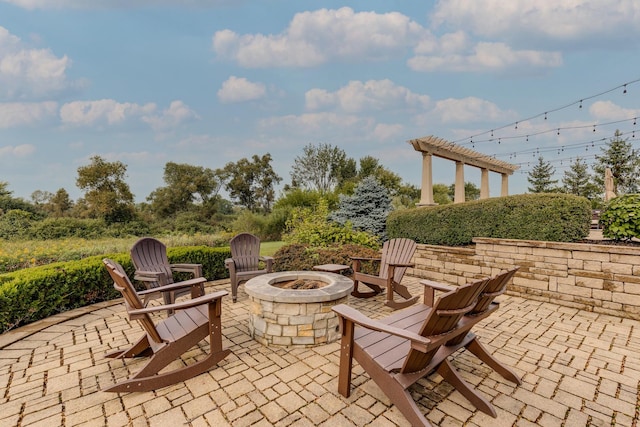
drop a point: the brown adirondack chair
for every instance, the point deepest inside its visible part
(394, 261)
(149, 257)
(496, 286)
(409, 344)
(167, 341)
(244, 263)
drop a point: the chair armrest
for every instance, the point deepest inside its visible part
(417, 341)
(174, 286)
(402, 264)
(437, 285)
(229, 262)
(359, 258)
(195, 269)
(205, 299)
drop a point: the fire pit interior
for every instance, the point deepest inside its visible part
(293, 308)
(300, 284)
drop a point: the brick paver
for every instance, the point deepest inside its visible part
(578, 368)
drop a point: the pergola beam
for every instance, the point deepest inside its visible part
(433, 146)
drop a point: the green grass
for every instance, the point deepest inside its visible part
(270, 248)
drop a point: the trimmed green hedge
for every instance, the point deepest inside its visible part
(35, 293)
(552, 217)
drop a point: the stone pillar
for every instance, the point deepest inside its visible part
(426, 192)
(484, 183)
(505, 185)
(459, 186)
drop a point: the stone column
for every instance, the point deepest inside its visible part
(426, 192)
(505, 185)
(484, 183)
(459, 186)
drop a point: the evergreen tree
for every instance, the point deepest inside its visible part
(540, 177)
(578, 181)
(366, 209)
(624, 162)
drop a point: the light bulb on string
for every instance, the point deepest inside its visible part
(625, 89)
(580, 106)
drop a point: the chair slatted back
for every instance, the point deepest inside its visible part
(149, 254)
(497, 286)
(447, 311)
(245, 251)
(132, 301)
(398, 251)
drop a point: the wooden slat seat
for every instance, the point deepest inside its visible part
(411, 343)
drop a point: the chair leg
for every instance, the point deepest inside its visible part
(452, 376)
(139, 349)
(346, 357)
(376, 290)
(481, 353)
(142, 383)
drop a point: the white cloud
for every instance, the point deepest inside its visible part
(314, 38)
(27, 73)
(485, 57)
(531, 21)
(177, 114)
(315, 124)
(386, 132)
(108, 112)
(13, 114)
(469, 109)
(102, 112)
(23, 150)
(359, 96)
(608, 111)
(239, 89)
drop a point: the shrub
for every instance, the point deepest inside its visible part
(310, 226)
(552, 217)
(302, 257)
(620, 219)
(35, 293)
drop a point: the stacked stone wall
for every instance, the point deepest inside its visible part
(598, 278)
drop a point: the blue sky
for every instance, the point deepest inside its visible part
(207, 82)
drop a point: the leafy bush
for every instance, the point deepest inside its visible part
(310, 226)
(35, 293)
(302, 257)
(60, 228)
(552, 217)
(620, 219)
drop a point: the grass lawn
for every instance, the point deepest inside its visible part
(270, 248)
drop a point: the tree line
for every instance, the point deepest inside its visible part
(618, 155)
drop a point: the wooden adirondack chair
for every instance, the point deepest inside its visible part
(149, 257)
(399, 350)
(395, 259)
(496, 286)
(244, 263)
(170, 339)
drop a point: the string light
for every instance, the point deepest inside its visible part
(545, 114)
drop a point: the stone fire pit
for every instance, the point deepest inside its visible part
(296, 317)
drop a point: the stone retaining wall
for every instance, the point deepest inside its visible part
(598, 278)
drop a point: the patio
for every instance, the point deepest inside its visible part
(578, 368)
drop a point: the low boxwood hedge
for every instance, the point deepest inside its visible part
(550, 216)
(35, 293)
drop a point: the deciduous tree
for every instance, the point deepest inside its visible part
(251, 182)
(321, 167)
(107, 195)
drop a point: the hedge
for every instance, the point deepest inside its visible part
(36, 293)
(552, 217)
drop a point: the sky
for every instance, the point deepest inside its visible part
(208, 82)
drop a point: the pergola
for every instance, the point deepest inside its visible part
(434, 146)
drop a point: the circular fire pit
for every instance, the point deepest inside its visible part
(293, 308)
